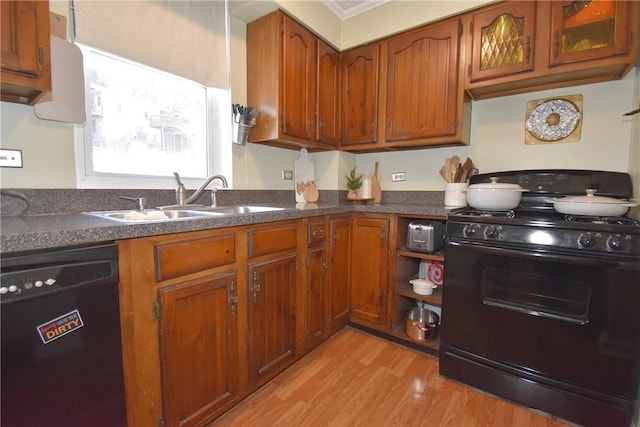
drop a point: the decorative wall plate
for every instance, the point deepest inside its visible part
(552, 120)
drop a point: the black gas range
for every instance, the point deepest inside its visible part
(536, 224)
(541, 308)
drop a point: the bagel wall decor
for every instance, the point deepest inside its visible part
(553, 120)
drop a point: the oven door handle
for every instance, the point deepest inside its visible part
(585, 259)
(540, 313)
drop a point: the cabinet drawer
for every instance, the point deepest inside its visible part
(272, 239)
(185, 256)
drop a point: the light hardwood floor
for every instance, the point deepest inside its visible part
(356, 379)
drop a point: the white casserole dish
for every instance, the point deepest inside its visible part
(494, 196)
(591, 205)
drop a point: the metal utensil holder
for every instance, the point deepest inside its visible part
(240, 133)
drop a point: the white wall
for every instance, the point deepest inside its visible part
(497, 139)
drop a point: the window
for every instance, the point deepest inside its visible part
(145, 123)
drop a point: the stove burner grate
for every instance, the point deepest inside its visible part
(496, 214)
(614, 220)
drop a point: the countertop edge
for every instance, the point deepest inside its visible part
(27, 233)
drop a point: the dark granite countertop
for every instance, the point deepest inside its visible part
(22, 233)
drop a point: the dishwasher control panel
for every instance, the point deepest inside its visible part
(37, 282)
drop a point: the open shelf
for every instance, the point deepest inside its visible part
(406, 267)
(436, 256)
(432, 343)
(407, 291)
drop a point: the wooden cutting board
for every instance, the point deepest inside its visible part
(376, 191)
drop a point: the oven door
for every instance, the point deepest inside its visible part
(568, 318)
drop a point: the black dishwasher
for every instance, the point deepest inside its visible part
(61, 348)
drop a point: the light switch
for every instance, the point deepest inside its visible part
(10, 158)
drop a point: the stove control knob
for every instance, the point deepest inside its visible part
(617, 242)
(586, 240)
(491, 232)
(469, 230)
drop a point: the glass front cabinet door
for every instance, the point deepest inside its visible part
(588, 29)
(502, 40)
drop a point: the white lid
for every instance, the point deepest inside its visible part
(592, 198)
(495, 185)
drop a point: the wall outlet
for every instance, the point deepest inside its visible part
(287, 175)
(398, 176)
(10, 158)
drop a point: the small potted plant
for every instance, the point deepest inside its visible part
(353, 184)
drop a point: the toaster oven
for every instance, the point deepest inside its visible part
(425, 236)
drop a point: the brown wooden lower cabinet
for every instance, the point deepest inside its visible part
(210, 316)
(369, 269)
(317, 283)
(180, 326)
(272, 317)
(339, 272)
(199, 348)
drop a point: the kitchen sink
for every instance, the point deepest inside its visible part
(146, 216)
(243, 209)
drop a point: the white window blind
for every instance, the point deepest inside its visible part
(186, 38)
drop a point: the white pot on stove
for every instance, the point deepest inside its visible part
(591, 205)
(494, 196)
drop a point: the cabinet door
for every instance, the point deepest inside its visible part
(584, 30)
(198, 349)
(26, 68)
(359, 102)
(327, 95)
(339, 272)
(298, 81)
(317, 296)
(502, 40)
(272, 321)
(422, 82)
(369, 266)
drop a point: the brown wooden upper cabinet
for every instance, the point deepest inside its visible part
(328, 95)
(423, 100)
(584, 30)
(282, 70)
(523, 46)
(405, 92)
(26, 62)
(502, 40)
(359, 99)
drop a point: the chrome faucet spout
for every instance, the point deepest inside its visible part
(181, 192)
(204, 185)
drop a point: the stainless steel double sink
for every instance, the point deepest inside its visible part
(179, 214)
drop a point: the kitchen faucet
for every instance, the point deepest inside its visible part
(183, 200)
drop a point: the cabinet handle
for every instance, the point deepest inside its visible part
(318, 233)
(528, 49)
(325, 266)
(256, 287)
(40, 57)
(556, 44)
(233, 299)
